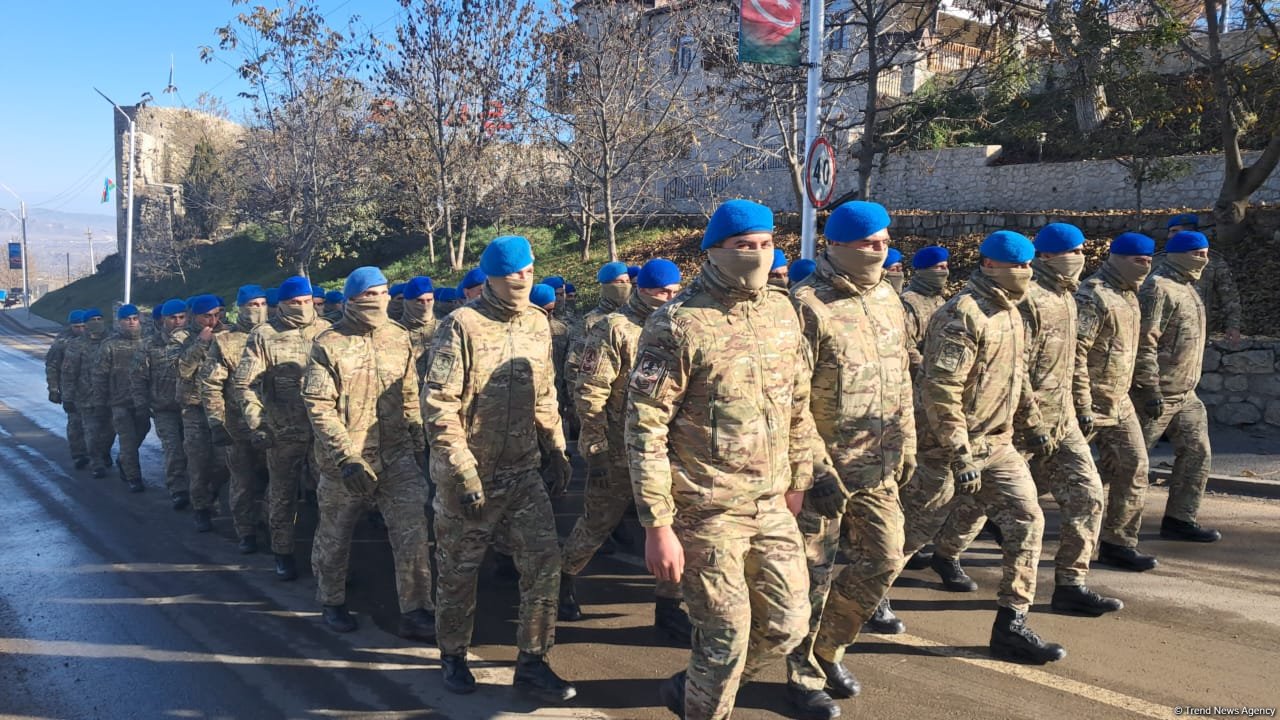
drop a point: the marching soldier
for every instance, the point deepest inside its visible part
(111, 381)
(53, 379)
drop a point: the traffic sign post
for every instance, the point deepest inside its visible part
(820, 173)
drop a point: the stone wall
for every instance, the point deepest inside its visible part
(1241, 386)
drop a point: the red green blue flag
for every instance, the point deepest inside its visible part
(769, 31)
(107, 187)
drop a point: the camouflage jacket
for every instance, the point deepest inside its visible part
(113, 372)
(975, 377)
(361, 393)
(77, 369)
(600, 396)
(718, 412)
(1217, 288)
(190, 360)
(267, 383)
(155, 371)
(861, 387)
(489, 401)
(920, 307)
(1171, 342)
(578, 334)
(1059, 382)
(420, 339)
(216, 389)
(53, 360)
(559, 354)
(1107, 344)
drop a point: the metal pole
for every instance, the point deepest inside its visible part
(128, 222)
(68, 268)
(26, 285)
(809, 215)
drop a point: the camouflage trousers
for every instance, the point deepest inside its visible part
(286, 465)
(1122, 462)
(1187, 424)
(132, 427)
(602, 509)
(744, 584)
(871, 528)
(169, 430)
(75, 434)
(206, 469)
(1008, 496)
(399, 495)
(247, 469)
(99, 435)
(1069, 475)
(522, 505)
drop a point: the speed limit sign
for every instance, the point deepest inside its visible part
(820, 172)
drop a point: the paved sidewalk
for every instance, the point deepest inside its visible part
(1245, 460)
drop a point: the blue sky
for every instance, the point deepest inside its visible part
(56, 132)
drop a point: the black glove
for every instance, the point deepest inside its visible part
(55, 397)
(69, 406)
(1041, 443)
(471, 494)
(220, 436)
(827, 496)
(1086, 424)
(261, 440)
(359, 477)
(1150, 402)
(598, 470)
(968, 476)
(558, 473)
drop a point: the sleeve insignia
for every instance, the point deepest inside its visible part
(648, 374)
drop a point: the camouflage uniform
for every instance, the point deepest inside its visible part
(974, 381)
(578, 334)
(207, 469)
(862, 407)
(53, 378)
(920, 304)
(490, 408)
(268, 385)
(559, 355)
(77, 388)
(420, 334)
(1217, 288)
(155, 390)
(1107, 344)
(1170, 357)
(111, 380)
(718, 430)
(246, 464)
(608, 353)
(361, 394)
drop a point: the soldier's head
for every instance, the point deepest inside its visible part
(1060, 250)
(615, 282)
(367, 295)
(858, 241)
(570, 292)
(317, 295)
(778, 271)
(94, 323)
(333, 301)
(251, 302)
(930, 268)
(658, 281)
(543, 296)
(893, 269)
(295, 304)
(205, 311)
(556, 283)
(1006, 261)
(1188, 251)
(128, 320)
(472, 283)
(419, 298)
(1130, 256)
(173, 314)
(800, 269)
(507, 263)
(75, 321)
(1178, 223)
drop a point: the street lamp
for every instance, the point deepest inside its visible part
(128, 223)
(22, 208)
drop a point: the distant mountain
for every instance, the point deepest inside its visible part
(53, 235)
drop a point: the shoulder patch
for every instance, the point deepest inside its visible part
(441, 368)
(649, 373)
(1088, 320)
(590, 360)
(950, 355)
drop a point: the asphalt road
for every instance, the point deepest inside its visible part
(111, 606)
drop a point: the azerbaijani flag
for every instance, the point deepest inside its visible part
(107, 187)
(769, 31)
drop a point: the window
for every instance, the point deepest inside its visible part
(835, 41)
(686, 52)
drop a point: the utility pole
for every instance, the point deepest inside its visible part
(813, 96)
(22, 210)
(68, 268)
(128, 223)
(93, 259)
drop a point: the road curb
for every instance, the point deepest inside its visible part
(1233, 484)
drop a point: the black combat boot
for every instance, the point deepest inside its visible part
(840, 681)
(203, 520)
(82, 462)
(286, 568)
(672, 693)
(883, 621)
(180, 499)
(1080, 600)
(953, 576)
(812, 704)
(136, 486)
(1125, 558)
(99, 473)
(569, 610)
(418, 624)
(1012, 640)
(248, 545)
(457, 676)
(535, 677)
(672, 621)
(339, 619)
(1175, 529)
(920, 560)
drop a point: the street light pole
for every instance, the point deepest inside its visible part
(26, 284)
(128, 223)
(813, 99)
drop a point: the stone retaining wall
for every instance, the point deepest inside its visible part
(1241, 386)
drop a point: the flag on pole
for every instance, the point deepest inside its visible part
(769, 31)
(107, 187)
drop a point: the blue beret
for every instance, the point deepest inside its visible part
(396, 289)
(633, 271)
(779, 259)
(172, 306)
(92, 313)
(446, 294)
(555, 281)
(361, 279)
(474, 277)
(1132, 243)
(1007, 246)
(202, 304)
(1185, 220)
(249, 293)
(334, 297)
(75, 317)
(128, 310)
(505, 255)
(893, 257)
(1186, 241)
(1058, 237)
(927, 257)
(736, 217)
(273, 297)
(569, 288)
(855, 220)
(542, 295)
(417, 287)
(317, 291)
(610, 272)
(296, 286)
(221, 303)
(801, 269)
(658, 273)
(155, 311)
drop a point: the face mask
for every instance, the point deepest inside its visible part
(96, 326)
(369, 312)
(895, 279)
(1012, 280)
(863, 266)
(1067, 267)
(745, 269)
(776, 281)
(416, 312)
(252, 317)
(297, 315)
(616, 294)
(1190, 264)
(651, 302)
(511, 292)
(932, 279)
(1128, 270)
